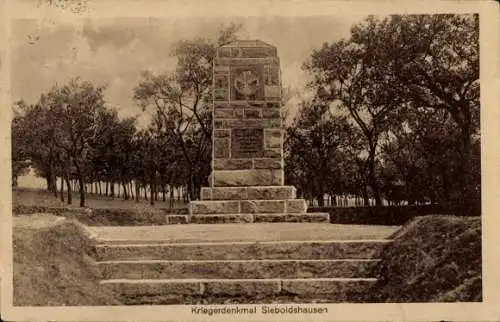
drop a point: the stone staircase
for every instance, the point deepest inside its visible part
(259, 270)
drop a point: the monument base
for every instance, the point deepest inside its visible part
(216, 207)
(248, 218)
(248, 193)
(252, 204)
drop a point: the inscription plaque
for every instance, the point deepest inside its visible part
(246, 143)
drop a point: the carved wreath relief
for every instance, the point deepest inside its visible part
(247, 83)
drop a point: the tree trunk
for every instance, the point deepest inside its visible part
(190, 187)
(151, 193)
(68, 186)
(54, 185)
(62, 188)
(125, 192)
(137, 191)
(468, 194)
(366, 200)
(321, 200)
(81, 181)
(51, 179)
(372, 176)
(48, 179)
(131, 189)
(164, 197)
(82, 190)
(172, 198)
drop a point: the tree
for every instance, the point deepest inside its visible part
(435, 58)
(425, 157)
(112, 149)
(345, 75)
(20, 149)
(319, 146)
(181, 101)
(33, 141)
(75, 110)
(392, 65)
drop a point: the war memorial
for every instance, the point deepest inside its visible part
(249, 239)
(247, 181)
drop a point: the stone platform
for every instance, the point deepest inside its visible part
(250, 263)
(253, 204)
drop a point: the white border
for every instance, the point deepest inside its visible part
(490, 117)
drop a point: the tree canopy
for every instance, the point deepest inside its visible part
(393, 73)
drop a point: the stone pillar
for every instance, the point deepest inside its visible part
(247, 137)
(247, 154)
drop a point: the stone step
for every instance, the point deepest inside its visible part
(233, 250)
(219, 207)
(335, 289)
(248, 218)
(236, 269)
(248, 193)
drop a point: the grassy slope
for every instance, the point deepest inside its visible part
(432, 259)
(52, 266)
(105, 211)
(38, 197)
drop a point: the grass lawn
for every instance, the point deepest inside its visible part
(36, 197)
(105, 211)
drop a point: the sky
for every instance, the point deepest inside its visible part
(115, 51)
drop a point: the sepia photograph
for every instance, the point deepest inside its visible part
(237, 165)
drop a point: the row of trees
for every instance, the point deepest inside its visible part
(395, 116)
(71, 134)
(404, 91)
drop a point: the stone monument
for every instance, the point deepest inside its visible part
(247, 180)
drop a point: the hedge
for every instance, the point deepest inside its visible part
(385, 215)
